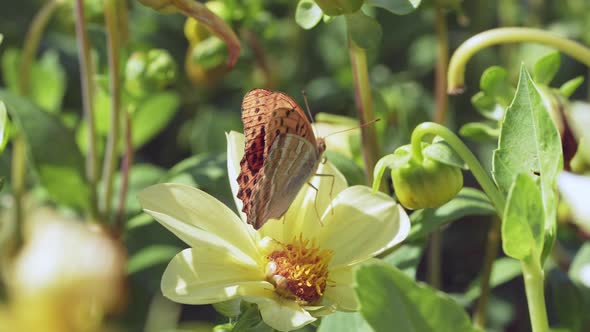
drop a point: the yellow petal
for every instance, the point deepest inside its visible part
(210, 275)
(235, 152)
(303, 217)
(340, 292)
(199, 219)
(282, 314)
(361, 225)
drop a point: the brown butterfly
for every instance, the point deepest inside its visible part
(281, 154)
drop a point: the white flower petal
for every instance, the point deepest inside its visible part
(361, 225)
(282, 314)
(340, 292)
(235, 152)
(199, 219)
(575, 190)
(209, 275)
(303, 217)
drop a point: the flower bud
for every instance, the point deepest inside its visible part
(423, 184)
(339, 7)
(150, 71)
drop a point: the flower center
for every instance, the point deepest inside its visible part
(299, 270)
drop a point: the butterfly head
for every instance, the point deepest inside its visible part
(321, 145)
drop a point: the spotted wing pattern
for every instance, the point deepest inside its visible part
(281, 153)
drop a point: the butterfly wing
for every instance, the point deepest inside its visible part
(270, 118)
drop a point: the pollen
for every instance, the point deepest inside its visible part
(299, 270)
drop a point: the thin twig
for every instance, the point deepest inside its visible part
(125, 173)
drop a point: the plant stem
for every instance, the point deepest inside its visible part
(125, 171)
(87, 87)
(111, 154)
(479, 316)
(535, 293)
(434, 260)
(488, 38)
(30, 48)
(364, 106)
(482, 177)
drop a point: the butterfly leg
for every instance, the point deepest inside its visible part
(315, 201)
(332, 179)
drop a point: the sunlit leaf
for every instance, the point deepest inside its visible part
(546, 67)
(308, 14)
(494, 82)
(569, 87)
(479, 131)
(410, 305)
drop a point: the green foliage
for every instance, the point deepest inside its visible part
(522, 224)
(308, 14)
(568, 88)
(409, 305)
(546, 68)
(152, 116)
(344, 322)
(479, 131)
(364, 30)
(61, 168)
(398, 7)
(3, 126)
(530, 143)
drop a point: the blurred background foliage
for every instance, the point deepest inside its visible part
(179, 130)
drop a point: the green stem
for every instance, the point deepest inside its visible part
(364, 105)
(18, 186)
(434, 260)
(125, 171)
(479, 316)
(112, 151)
(87, 87)
(535, 293)
(482, 177)
(488, 38)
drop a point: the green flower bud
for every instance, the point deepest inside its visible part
(149, 71)
(339, 7)
(423, 184)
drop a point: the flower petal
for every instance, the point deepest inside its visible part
(361, 224)
(235, 152)
(199, 219)
(303, 217)
(341, 294)
(282, 314)
(210, 275)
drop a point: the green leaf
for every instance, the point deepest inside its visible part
(250, 321)
(568, 301)
(546, 67)
(494, 83)
(140, 177)
(52, 149)
(344, 322)
(487, 106)
(406, 257)
(479, 131)
(468, 202)
(10, 67)
(398, 7)
(152, 116)
(308, 14)
(530, 143)
(229, 308)
(443, 152)
(380, 167)
(151, 256)
(522, 224)
(410, 306)
(569, 87)
(3, 126)
(364, 30)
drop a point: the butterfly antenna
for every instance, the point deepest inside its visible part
(353, 128)
(309, 112)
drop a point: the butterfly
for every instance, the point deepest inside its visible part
(281, 154)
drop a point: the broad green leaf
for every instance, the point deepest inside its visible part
(503, 270)
(522, 224)
(230, 308)
(152, 116)
(344, 322)
(494, 83)
(364, 30)
(398, 7)
(52, 149)
(468, 202)
(569, 87)
(407, 257)
(389, 298)
(308, 14)
(530, 143)
(479, 131)
(546, 67)
(151, 256)
(3, 126)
